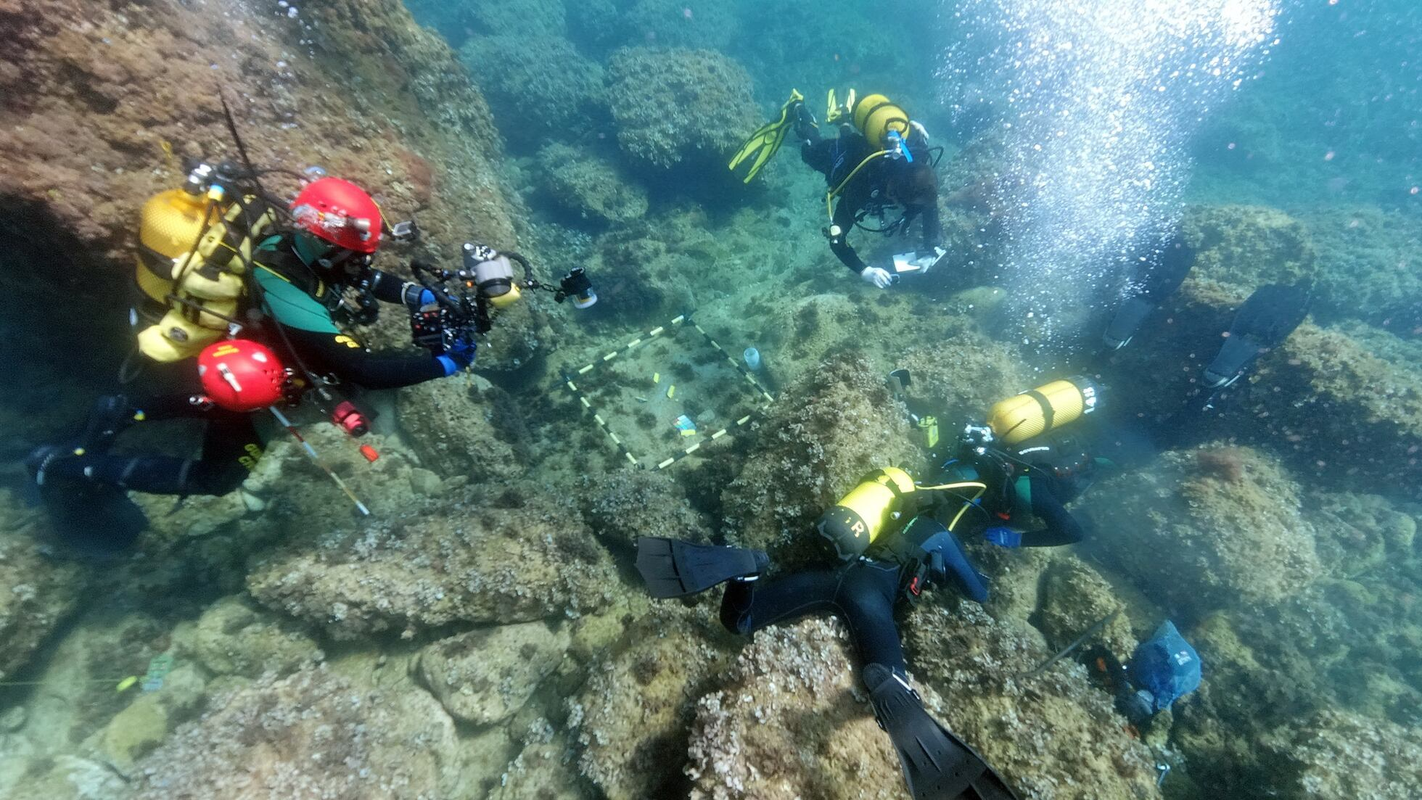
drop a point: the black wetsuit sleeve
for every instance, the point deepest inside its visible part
(844, 220)
(388, 288)
(331, 353)
(932, 232)
(1061, 527)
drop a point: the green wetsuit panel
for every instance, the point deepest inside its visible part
(292, 307)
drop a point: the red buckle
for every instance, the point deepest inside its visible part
(914, 588)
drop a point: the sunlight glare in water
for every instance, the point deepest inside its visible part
(1101, 98)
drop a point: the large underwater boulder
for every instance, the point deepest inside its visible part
(1248, 246)
(465, 427)
(1209, 528)
(37, 595)
(311, 734)
(458, 562)
(1337, 754)
(539, 87)
(1054, 735)
(826, 431)
(632, 717)
(589, 186)
(484, 676)
(791, 720)
(676, 107)
(626, 504)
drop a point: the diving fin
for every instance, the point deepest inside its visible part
(1264, 321)
(1156, 279)
(937, 765)
(673, 568)
(91, 518)
(766, 141)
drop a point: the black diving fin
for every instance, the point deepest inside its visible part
(937, 765)
(673, 568)
(92, 518)
(1154, 280)
(1264, 321)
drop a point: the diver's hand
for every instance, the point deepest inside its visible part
(1003, 537)
(459, 355)
(877, 276)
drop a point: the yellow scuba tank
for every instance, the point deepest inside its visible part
(192, 255)
(875, 117)
(1043, 409)
(858, 519)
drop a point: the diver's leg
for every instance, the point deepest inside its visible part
(865, 599)
(230, 447)
(749, 606)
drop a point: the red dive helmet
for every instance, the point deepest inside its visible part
(340, 213)
(241, 375)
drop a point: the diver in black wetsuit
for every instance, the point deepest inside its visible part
(864, 593)
(865, 183)
(297, 280)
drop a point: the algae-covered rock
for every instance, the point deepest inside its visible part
(312, 734)
(1357, 533)
(961, 381)
(69, 778)
(36, 595)
(827, 431)
(452, 563)
(675, 106)
(631, 718)
(792, 721)
(146, 722)
(545, 768)
(1207, 528)
(679, 23)
(1249, 246)
(466, 427)
(232, 638)
(483, 676)
(539, 87)
(623, 505)
(1052, 736)
(589, 186)
(1337, 754)
(1073, 598)
(1366, 266)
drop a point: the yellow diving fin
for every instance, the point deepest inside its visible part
(834, 110)
(764, 143)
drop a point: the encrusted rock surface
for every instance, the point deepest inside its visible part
(1207, 528)
(484, 676)
(452, 563)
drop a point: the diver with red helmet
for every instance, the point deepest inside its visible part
(303, 287)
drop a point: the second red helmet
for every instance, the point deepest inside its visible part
(339, 212)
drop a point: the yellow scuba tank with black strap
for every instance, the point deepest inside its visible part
(1044, 409)
(193, 253)
(875, 117)
(859, 517)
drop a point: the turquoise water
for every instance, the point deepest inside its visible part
(475, 624)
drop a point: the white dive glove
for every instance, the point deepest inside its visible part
(877, 276)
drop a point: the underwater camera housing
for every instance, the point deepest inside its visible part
(577, 285)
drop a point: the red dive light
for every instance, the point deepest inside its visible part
(242, 375)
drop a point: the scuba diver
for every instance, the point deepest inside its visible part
(213, 263)
(879, 161)
(896, 538)
(864, 593)
(1028, 467)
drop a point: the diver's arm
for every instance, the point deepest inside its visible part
(932, 232)
(1061, 527)
(389, 288)
(348, 360)
(842, 224)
